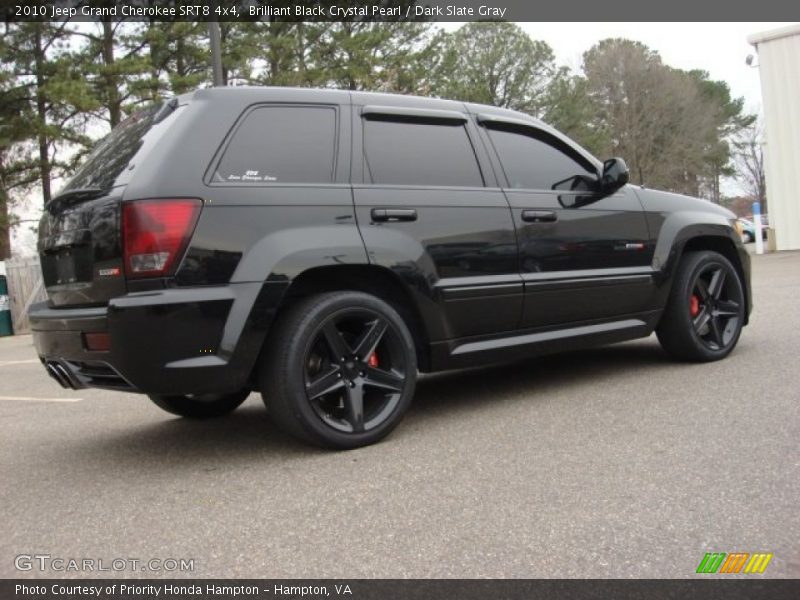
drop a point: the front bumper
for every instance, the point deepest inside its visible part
(175, 341)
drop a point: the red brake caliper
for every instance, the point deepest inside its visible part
(372, 361)
(694, 305)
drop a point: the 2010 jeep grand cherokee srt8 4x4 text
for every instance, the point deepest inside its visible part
(323, 247)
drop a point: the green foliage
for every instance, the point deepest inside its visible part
(495, 63)
(51, 100)
(64, 83)
(568, 108)
(671, 126)
(363, 55)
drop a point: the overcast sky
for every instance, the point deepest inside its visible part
(719, 48)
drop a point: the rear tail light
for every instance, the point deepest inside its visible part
(155, 234)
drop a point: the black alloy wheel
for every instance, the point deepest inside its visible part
(355, 370)
(339, 370)
(715, 306)
(706, 309)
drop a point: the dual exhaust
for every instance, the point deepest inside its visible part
(60, 373)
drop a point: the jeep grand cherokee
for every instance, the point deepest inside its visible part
(323, 247)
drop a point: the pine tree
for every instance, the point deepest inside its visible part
(363, 55)
(117, 67)
(51, 92)
(496, 63)
(18, 166)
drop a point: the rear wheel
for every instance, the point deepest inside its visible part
(339, 370)
(705, 312)
(200, 406)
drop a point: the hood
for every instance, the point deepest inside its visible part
(657, 200)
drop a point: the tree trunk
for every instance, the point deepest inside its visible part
(41, 113)
(223, 35)
(301, 54)
(112, 87)
(180, 68)
(5, 227)
(272, 50)
(154, 64)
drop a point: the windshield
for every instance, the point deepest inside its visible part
(113, 153)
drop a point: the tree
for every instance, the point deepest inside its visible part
(239, 50)
(366, 55)
(568, 108)
(729, 120)
(177, 59)
(49, 83)
(496, 63)
(282, 52)
(749, 159)
(670, 125)
(187, 61)
(18, 166)
(117, 67)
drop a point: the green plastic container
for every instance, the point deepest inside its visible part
(5, 308)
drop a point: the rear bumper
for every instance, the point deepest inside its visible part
(175, 341)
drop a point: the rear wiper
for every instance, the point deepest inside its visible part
(76, 194)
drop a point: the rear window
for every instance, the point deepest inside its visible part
(113, 153)
(281, 144)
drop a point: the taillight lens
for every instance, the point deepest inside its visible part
(155, 234)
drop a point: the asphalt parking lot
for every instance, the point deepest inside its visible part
(612, 462)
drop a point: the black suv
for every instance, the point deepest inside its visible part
(322, 247)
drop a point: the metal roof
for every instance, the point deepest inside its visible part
(773, 34)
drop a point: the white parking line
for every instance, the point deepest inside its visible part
(6, 363)
(32, 399)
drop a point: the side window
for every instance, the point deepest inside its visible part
(531, 162)
(281, 144)
(419, 153)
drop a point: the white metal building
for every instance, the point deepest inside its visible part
(779, 65)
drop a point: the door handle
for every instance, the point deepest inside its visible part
(390, 215)
(539, 216)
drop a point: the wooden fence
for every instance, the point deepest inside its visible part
(25, 287)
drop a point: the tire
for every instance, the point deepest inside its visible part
(202, 406)
(339, 370)
(705, 311)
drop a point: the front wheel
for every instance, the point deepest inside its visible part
(200, 406)
(705, 311)
(339, 370)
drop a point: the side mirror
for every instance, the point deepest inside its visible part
(585, 186)
(615, 175)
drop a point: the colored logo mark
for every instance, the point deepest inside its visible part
(737, 562)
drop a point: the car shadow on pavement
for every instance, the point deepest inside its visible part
(247, 434)
(173, 442)
(532, 377)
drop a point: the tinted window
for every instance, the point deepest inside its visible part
(112, 154)
(531, 162)
(419, 153)
(281, 144)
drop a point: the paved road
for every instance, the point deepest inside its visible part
(607, 463)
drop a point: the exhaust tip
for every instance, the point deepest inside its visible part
(59, 373)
